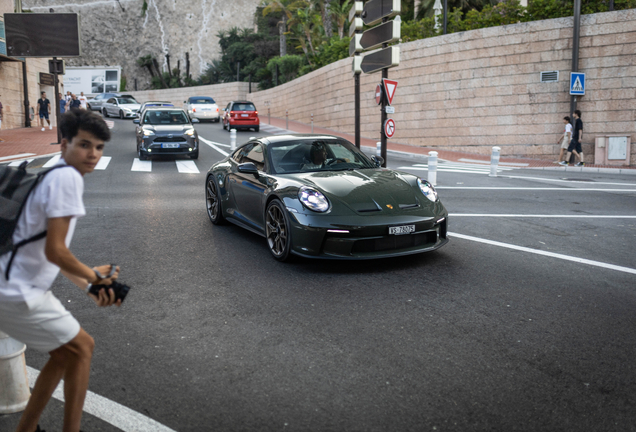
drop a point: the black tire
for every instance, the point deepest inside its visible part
(142, 154)
(104, 112)
(277, 231)
(257, 128)
(213, 202)
(194, 155)
(121, 115)
(88, 107)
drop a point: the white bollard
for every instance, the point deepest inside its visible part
(494, 161)
(233, 139)
(14, 384)
(378, 148)
(432, 167)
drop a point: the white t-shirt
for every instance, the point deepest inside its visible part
(568, 129)
(59, 194)
(82, 100)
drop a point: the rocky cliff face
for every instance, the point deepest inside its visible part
(118, 32)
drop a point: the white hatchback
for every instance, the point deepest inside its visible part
(202, 108)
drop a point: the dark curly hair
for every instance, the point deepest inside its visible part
(71, 122)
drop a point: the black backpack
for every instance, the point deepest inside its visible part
(16, 184)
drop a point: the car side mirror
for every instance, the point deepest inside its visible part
(248, 168)
(136, 121)
(195, 120)
(377, 160)
(185, 102)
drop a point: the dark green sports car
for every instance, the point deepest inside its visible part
(318, 196)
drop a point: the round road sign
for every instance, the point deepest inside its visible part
(378, 94)
(389, 128)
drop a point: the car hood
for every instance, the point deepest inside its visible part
(168, 129)
(367, 190)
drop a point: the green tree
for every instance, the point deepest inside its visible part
(340, 13)
(285, 8)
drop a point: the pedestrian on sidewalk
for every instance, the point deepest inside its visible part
(82, 100)
(44, 109)
(565, 138)
(575, 144)
(62, 104)
(74, 103)
(29, 312)
(68, 96)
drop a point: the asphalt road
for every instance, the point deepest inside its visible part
(216, 335)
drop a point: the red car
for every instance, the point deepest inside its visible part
(240, 115)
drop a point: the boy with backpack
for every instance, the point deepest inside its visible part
(39, 242)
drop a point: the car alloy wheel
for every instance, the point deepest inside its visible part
(277, 230)
(121, 114)
(105, 112)
(213, 202)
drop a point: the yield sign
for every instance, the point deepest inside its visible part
(389, 89)
(389, 128)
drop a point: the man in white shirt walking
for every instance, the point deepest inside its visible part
(29, 312)
(82, 100)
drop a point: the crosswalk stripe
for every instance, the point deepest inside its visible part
(20, 162)
(52, 161)
(16, 156)
(139, 165)
(187, 167)
(103, 163)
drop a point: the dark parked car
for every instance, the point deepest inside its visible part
(166, 131)
(240, 115)
(320, 197)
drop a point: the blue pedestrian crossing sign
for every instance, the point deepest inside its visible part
(577, 83)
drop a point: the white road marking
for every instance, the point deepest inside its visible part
(464, 171)
(103, 163)
(536, 189)
(566, 181)
(544, 253)
(111, 412)
(212, 144)
(52, 161)
(540, 216)
(139, 165)
(187, 167)
(488, 162)
(216, 143)
(18, 163)
(16, 156)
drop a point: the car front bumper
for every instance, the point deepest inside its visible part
(175, 147)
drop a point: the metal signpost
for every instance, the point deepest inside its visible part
(374, 12)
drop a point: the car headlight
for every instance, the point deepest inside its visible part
(427, 189)
(148, 132)
(189, 132)
(313, 199)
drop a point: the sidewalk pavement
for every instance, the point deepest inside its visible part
(33, 142)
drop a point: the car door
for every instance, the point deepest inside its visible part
(248, 189)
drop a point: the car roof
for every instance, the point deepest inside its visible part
(242, 101)
(149, 102)
(163, 109)
(196, 97)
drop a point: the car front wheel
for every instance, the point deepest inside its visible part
(121, 114)
(105, 112)
(213, 202)
(277, 231)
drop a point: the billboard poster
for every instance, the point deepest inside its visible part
(92, 81)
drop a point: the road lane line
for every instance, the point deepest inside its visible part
(514, 164)
(187, 167)
(20, 162)
(212, 144)
(566, 181)
(139, 165)
(52, 161)
(103, 163)
(544, 253)
(540, 216)
(104, 409)
(568, 189)
(21, 155)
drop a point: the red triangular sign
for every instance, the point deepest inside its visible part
(389, 89)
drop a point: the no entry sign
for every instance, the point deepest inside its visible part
(389, 128)
(378, 94)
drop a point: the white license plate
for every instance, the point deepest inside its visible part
(170, 145)
(206, 109)
(245, 115)
(399, 230)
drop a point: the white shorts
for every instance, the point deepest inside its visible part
(42, 323)
(565, 143)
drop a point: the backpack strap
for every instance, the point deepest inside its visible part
(36, 237)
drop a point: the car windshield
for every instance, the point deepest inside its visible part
(311, 155)
(165, 117)
(243, 107)
(126, 101)
(202, 100)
